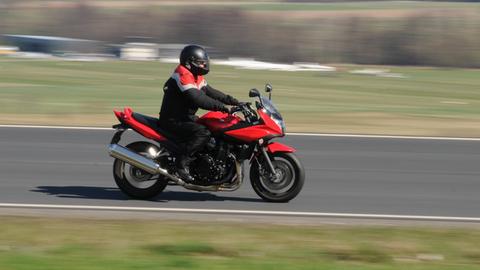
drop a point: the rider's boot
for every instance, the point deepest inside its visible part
(182, 168)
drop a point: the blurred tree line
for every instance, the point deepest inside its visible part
(426, 37)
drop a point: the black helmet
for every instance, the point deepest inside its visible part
(195, 59)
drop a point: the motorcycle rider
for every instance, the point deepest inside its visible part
(184, 92)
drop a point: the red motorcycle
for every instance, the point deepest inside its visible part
(143, 169)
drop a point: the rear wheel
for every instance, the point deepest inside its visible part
(137, 183)
(285, 184)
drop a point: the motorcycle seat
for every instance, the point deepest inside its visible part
(152, 122)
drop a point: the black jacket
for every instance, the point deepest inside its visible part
(184, 94)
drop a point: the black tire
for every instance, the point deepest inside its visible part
(288, 163)
(125, 176)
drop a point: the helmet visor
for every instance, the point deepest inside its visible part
(201, 63)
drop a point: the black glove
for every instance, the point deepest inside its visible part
(225, 110)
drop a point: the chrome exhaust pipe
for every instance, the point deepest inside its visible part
(126, 155)
(132, 158)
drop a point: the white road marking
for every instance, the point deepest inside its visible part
(55, 127)
(239, 212)
(385, 136)
(290, 134)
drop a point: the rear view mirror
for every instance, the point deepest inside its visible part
(268, 88)
(254, 93)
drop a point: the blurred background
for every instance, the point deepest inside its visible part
(381, 32)
(361, 67)
(381, 67)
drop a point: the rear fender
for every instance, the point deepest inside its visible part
(119, 115)
(126, 118)
(279, 147)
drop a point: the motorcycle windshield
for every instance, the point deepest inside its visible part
(270, 108)
(273, 112)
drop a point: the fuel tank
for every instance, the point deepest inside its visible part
(218, 121)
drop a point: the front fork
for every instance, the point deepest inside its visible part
(261, 150)
(262, 158)
(270, 167)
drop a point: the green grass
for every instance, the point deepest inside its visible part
(41, 243)
(429, 101)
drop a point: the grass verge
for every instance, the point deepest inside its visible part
(41, 243)
(427, 101)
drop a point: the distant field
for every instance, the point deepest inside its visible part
(358, 5)
(255, 4)
(59, 244)
(309, 10)
(388, 10)
(428, 101)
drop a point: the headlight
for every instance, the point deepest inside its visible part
(280, 123)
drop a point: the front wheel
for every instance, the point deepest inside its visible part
(137, 183)
(285, 184)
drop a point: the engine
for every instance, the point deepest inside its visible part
(208, 171)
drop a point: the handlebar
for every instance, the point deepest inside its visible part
(246, 109)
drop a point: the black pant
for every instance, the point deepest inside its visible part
(193, 136)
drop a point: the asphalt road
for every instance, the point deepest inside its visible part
(343, 175)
